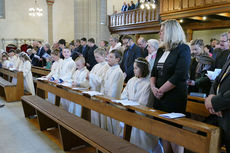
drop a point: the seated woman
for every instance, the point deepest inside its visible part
(200, 64)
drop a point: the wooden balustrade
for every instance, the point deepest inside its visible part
(133, 17)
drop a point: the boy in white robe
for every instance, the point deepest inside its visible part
(79, 80)
(96, 76)
(55, 72)
(25, 67)
(138, 90)
(67, 69)
(112, 87)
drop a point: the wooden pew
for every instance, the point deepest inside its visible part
(39, 71)
(73, 130)
(195, 105)
(12, 92)
(204, 141)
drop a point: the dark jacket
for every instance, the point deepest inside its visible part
(128, 60)
(77, 52)
(36, 61)
(202, 82)
(90, 58)
(221, 59)
(175, 70)
(221, 102)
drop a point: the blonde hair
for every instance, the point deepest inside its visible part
(80, 58)
(100, 51)
(173, 34)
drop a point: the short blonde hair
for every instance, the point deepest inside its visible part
(173, 34)
(100, 51)
(80, 58)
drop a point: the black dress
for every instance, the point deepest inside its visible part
(175, 70)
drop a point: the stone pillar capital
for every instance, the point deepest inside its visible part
(50, 2)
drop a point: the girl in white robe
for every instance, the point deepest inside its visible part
(55, 72)
(112, 86)
(67, 69)
(17, 64)
(79, 80)
(25, 67)
(5, 61)
(138, 90)
(96, 76)
(12, 57)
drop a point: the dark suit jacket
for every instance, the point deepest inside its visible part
(221, 59)
(145, 52)
(128, 60)
(221, 102)
(77, 51)
(84, 51)
(175, 70)
(40, 53)
(90, 57)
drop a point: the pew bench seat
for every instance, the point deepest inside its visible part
(73, 130)
(8, 90)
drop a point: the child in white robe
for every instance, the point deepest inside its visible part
(138, 90)
(112, 86)
(55, 72)
(79, 80)
(12, 57)
(67, 69)
(16, 63)
(5, 61)
(25, 67)
(96, 76)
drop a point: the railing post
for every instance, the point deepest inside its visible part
(144, 16)
(133, 17)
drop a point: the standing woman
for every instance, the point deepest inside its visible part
(153, 46)
(169, 74)
(25, 67)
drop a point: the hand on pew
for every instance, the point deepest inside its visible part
(209, 107)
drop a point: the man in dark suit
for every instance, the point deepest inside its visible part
(143, 45)
(124, 7)
(90, 58)
(61, 44)
(131, 53)
(85, 47)
(223, 56)
(37, 60)
(78, 49)
(218, 102)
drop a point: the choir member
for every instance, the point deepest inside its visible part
(96, 76)
(25, 67)
(112, 87)
(138, 90)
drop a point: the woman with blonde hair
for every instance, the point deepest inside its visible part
(169, 74)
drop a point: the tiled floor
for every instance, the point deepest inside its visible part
(20, 135)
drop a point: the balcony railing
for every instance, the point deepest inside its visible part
(136, 16)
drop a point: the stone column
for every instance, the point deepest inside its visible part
(50, 20)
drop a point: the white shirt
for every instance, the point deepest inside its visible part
(79, 77)
(97, 75)
(113, 82)
(67, 69)
(55, 69)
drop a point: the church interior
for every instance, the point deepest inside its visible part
(115, 76)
